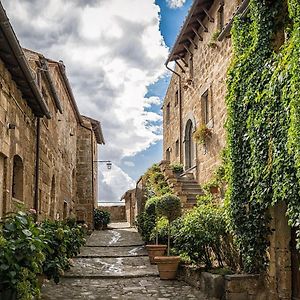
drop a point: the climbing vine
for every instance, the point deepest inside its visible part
(263, 125)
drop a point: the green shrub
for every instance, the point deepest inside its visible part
(145, 224)
(201, 234)
(177, 168)
(63, 243)
(168, 206)
(21, 254)
(101, 218)
(28, 249)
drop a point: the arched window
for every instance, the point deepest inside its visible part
(52, 199)
(18, 178)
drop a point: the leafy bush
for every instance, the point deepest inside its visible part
(169, 206)
(21, 254)
(28, 249)
(63, 242)
(145, 224)
(101, 218)
(201, 234)
(156, 184)
(177, 168)
(146, 221)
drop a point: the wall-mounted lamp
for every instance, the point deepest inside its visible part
(11, 126)
(108, 163)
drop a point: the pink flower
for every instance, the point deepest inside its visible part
(32, 211)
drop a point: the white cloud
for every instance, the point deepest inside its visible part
(115, 183)
(113, 50)
(175, 3)
(129, 163)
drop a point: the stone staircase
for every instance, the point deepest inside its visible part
(185, 187)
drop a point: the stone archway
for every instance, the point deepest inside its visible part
(189, 145)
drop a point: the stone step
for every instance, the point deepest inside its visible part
(184, 180)
(118, 267)
(110, 252)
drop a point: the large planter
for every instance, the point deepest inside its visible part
(167, 266)
(98, 226)
(155, 250)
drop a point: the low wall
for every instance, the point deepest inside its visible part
(224, 287)
(117, 212)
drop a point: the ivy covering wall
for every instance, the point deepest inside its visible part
(263, 126)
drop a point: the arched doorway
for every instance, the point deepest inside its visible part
(189, 145)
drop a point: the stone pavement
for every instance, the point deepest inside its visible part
(114, 265)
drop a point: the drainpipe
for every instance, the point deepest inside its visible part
(37, 166)
(180, 111)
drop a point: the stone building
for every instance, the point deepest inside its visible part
(196, 99)
(44, 154)
(130, 206)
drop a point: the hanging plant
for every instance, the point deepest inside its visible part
(202, 134)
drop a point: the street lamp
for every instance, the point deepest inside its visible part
(107, 162)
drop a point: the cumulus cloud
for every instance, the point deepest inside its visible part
(175, 3)
(113, 50)
(117, 179)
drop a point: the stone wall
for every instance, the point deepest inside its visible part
(18, 141)
(210, 64)
(117, 212)
(68, 148)
(86, 173)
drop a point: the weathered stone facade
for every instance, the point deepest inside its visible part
(196, 97)
(130, 206)
(44, 160)
(209, 66)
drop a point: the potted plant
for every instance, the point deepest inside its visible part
(168, 206)
(177, 169)
(98, 220)
(101, 219)
(201, 134)
(105, 218)
(154, 249)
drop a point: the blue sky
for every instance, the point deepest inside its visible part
(170, 23)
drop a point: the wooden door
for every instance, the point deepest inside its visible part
(295, 267)
(1, 185)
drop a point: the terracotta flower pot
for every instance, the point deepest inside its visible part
(214, 189)
(167, 266)
(155, 250)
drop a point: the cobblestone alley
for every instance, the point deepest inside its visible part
(114, 265)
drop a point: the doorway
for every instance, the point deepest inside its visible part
(189, 145)
(295, 267)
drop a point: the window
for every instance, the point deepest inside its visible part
(168, 154)
(65, 212)
(206, 108)
(168, 113)
(176, 98)
(221, 21)
(191, 67)
(17, 180)
(177, 148)
(52, 199)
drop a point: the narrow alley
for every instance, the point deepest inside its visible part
(114, 265)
